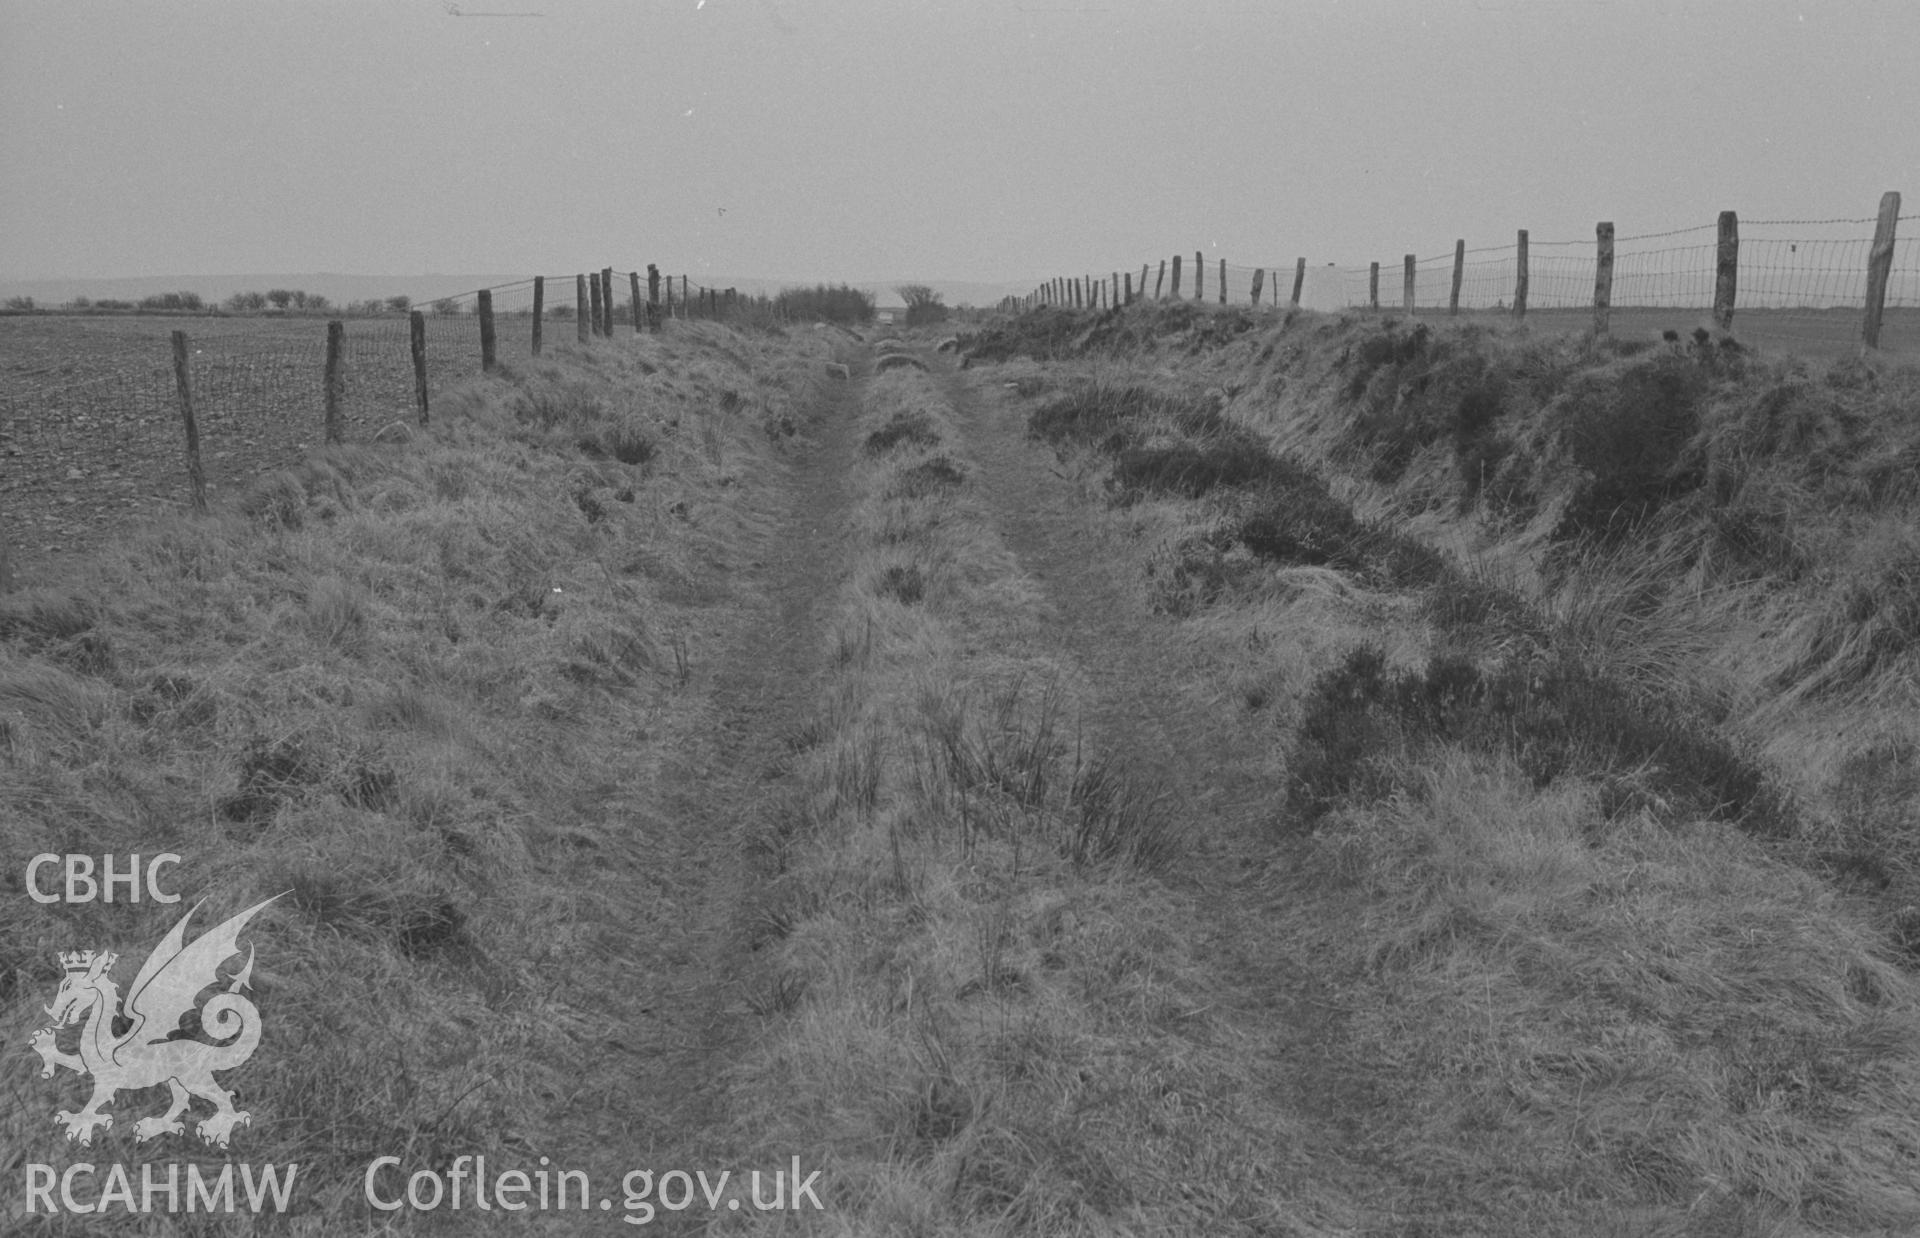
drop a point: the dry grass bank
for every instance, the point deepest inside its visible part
(420, 692)
(1594, 665)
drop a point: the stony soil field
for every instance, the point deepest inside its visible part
(90, 428)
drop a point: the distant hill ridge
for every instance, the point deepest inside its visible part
(341, 289)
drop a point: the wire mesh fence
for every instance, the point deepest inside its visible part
(92, 416)
(1794, 284)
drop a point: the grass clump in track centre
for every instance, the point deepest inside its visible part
(961, 917)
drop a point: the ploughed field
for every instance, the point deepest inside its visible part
(91, 435)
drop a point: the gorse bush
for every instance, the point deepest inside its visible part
(1364, 725)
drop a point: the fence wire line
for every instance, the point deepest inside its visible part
(1802, 281)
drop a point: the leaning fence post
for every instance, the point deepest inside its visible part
(1520, 275)
(1602, 277)
(581, 323)
(1879, 268)
(486, 331)
(1299, 281)
(1726, 275)
(1159, 281)
(1143, 278)
(417, 342)
(539, 309)
(1459, 270)
(336, 335)
(1373, 286)
(196, 477)
(1407, 284)
(1259, 279)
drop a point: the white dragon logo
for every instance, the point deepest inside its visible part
(148, 1052)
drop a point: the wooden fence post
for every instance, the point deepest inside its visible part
(1223, 281)
(1407, 284)
(1143, 278)
(633, 279)
(1126, 289)
(598, 295)
(1199, 276)
(1879, 268)
(539, 309)
(581, 323)
(686, 306)
(653, 298)
(417, 344)
(195, 476)
(1602, 276)
(1520, 275)
(1459, 271)
(1259, 279)
(486, 331)
(1726, 275)
(1299, 281)
(336, 336)
(1176, 277)
(1373, 286)
(606, 308)
(1159, 283)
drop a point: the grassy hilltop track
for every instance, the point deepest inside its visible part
(1117, 785)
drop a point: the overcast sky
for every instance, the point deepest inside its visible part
(868, 140)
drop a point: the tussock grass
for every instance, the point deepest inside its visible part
(1672, 1028)
(401, 686)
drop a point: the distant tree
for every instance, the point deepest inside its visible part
(923, 304)
(446, 307)
(20, 304)
(246, 302)
(315, 302)
(399, 305)
(78, 303)
(824, 303)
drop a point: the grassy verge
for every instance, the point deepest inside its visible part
(416, 693)
(1599, 947)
